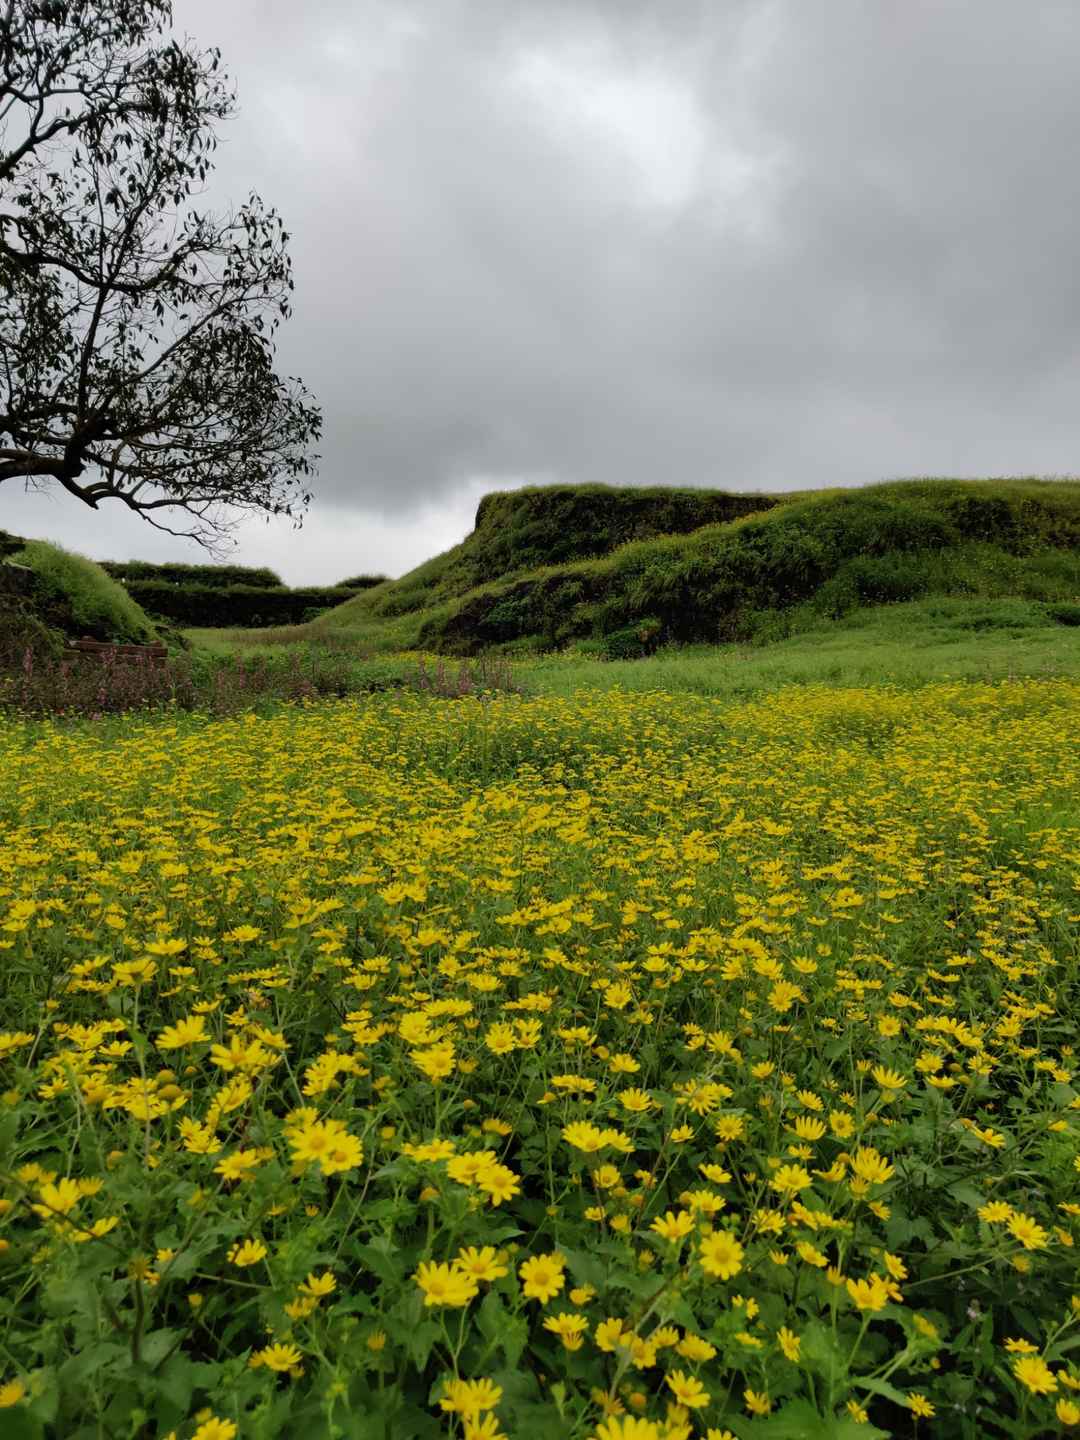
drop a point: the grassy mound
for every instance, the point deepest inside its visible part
(76, 596)
(763, 569)
(833, 551)
(518, 531)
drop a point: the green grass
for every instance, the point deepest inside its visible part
(91, 599)
(906, 644)
(903, 645)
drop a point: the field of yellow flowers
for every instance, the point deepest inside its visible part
(615, 1066)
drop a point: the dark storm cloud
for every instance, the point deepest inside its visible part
(763, 245)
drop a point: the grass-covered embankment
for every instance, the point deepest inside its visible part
(816, 555)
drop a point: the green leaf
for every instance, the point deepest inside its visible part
(157, 1345)
(422, 1340)
(968, 1195)
(20, 1424)
(799, 1420)
(378, 1255)
(585, 1268)
(883, 1388)
(821, 1352)
(93, 1360)
(175, 1382)
(9, 1125)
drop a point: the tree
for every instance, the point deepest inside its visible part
(136, 331)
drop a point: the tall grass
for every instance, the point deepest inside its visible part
(97, 603)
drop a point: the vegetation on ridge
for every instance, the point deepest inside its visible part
(80, 598)
(821, 553)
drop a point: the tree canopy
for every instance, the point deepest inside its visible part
(137, 358)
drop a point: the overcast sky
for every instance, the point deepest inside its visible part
(753, 244)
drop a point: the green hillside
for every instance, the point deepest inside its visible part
(517, 531)
(583, 563)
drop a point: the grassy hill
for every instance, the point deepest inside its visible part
(48, 594)
(635, 569)
(518, 531)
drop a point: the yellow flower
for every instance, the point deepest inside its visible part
(469, 1398)
(757, 1402)
(995, 1212)
(673, 1227)
(185, 1032)
(569, 1327)
(638, 1102)
(871, 1167)
(790, 1179)
(790, 1343)
(542, 1276)
(687, 1389)
(608, 1334)
(277, 1357)
(247, 1252)
(57, 1199)
(1033, 1371)
(871, 1294)
(720, 1254)
(919, 1405)
(239, 1165)
(498, 1183)
(808, 1127)
(627, 1427)
(11, 1392)
(436, 1062)
(324, 1284)
(694, 1348)
(889, 1080)
(445, 1284)
(1023, 1228)
(584, 1136)
(1067, 1412)
(214, 1429)
(481, 1264)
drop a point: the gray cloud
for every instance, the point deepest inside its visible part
(765, 243)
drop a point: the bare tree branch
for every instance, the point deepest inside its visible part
(136, 332)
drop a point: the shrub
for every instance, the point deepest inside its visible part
(633, 642)
(219, 576)
(219, 607)
(361, 582)
(1064, 614)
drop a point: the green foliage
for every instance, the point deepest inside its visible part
(243, 605)
(96, 604)
(634, 642)
(837, 550)
(361, 582)
(21, 627)
(219, 576)
(902, 645)
(518, 531)
(10, 544)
